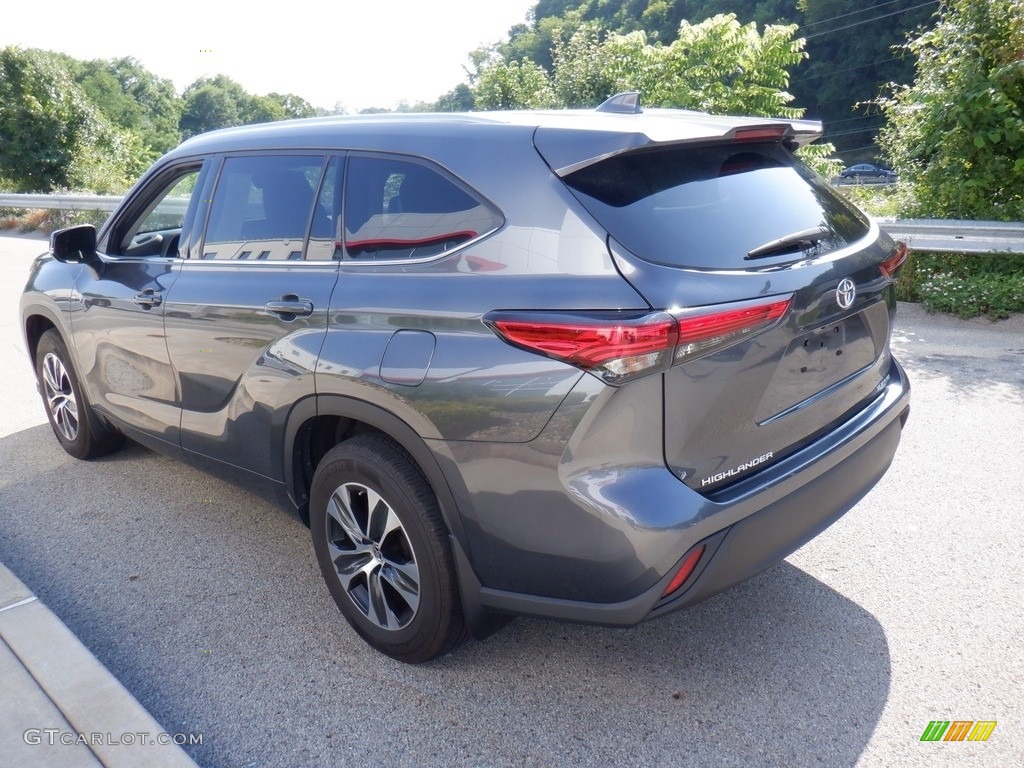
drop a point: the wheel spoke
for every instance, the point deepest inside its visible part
(339, 507)
(67, 419)
(383, 521)
(49, 377)
(351, 566)
(360, 550)
(405, 578)
(383, 613)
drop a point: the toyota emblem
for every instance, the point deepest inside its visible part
(846, 293)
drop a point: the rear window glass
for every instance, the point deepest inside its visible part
(711, 206)
(399, 209)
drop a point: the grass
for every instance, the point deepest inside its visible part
(47, 221)
(880, 200)
(989, 286)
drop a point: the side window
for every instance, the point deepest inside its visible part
(399, 209)
(156, 230)
(262, 207)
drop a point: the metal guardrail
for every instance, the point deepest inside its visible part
(940, 236)
(838, 181)
(60, 202)
(951, 236)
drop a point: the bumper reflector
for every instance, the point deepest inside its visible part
(684, 570)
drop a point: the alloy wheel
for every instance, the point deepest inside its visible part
(60, 396)
(372, 556)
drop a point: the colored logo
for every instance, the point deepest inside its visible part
(958, 730)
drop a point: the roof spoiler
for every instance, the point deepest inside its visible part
(800, 132)
(568, 145)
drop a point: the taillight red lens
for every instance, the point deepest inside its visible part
(587, 345)
(620, 346)
(708, 329)
(615, 347)
(684, 571)
(761, 133)
(895, 260)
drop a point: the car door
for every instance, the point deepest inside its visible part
(117, 307)
(247, 313)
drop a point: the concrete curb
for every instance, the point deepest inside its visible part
(61, 706)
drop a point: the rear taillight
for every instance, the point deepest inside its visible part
(895, 260)
(621, 346)
(708, 329)
(614, 346)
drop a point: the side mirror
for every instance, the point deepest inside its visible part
(74, 244)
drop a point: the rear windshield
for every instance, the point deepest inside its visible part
(716, 206)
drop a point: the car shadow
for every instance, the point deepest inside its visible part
(781, 670)
(206, 602)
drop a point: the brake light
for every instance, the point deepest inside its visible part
(684, 571)
(763, 133)
(620, 346)
(895, 260)
(615, 347)
(708, 329)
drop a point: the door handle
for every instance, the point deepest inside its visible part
(147, 299)
(289, 307)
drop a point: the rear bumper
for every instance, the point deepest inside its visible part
(748, 527)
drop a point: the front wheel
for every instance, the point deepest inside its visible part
(383, 550)
(76, 425)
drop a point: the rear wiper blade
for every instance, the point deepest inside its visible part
(803, 239)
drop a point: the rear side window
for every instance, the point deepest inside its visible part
(400, 209)
(262, 208)
(712, 206)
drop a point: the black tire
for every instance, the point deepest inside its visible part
(77, 427)
(383, 550)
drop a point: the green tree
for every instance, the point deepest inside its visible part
(512, 85)
(849, 46)
(211, 103)
(957, 134)
(584, 68)
(292, 105)
(854, 51)
(53, 135)
(726, 67)
(135, 99)
(458, 99)
(220, 102)
(260, 109)
(718, 66)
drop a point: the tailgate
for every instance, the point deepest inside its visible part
(708, 231)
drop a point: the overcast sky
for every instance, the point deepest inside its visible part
(372, 53)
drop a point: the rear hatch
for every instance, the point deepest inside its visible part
(782, 292)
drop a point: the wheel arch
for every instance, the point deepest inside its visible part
(315, 419)
(36, 323)
(330, 417)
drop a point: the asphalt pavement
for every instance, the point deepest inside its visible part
(207, 604)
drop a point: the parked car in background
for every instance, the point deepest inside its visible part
(586, 365)
(864, 171)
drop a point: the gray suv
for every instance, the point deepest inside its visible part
(587, 365)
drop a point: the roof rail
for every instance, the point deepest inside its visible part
(627, 103)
